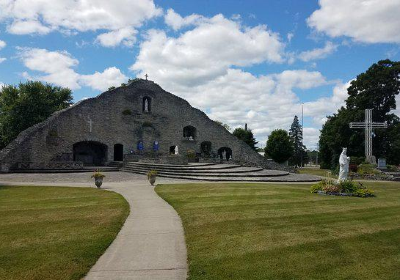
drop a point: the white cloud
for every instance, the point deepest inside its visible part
(201, 65)
(369, 21)
(325, 106)
(318, 53)
(175, 21)
(127, 36)
(42, 17)
(207, 51)
(102, 81)
(2, 59)
(2, 44)
(290, 36)
(57, 68)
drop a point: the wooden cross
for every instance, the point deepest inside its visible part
(146, 76)
(368, 125)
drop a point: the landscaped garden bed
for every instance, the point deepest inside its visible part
(344, 188)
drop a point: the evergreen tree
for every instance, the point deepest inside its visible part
(299, 150)
(27, 104)
(246, 136)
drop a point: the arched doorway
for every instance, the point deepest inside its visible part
(205, 148)
(225, 153)
(90, 153)
(118, 152)
(189, 132)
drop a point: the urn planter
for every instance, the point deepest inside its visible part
(152, 180)
(98, 178)
(151, 176)
(98, 182)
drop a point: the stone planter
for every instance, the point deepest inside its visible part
(98, 181)
(152, 180)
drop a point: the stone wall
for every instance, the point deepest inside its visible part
(118, 117)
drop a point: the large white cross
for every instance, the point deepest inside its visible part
(368, 125)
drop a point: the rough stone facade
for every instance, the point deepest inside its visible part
(106, 128)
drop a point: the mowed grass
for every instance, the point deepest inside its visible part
(315, 171)
(56, 232)
(277, 231)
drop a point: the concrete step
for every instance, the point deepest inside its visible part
(260, 173)
(286, 178)
(190, 167)
(201, 171)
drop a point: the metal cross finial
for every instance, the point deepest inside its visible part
(146, 76)
(368, 125)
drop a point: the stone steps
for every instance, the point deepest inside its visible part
(218, 172)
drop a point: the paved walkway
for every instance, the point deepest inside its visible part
(151, 243)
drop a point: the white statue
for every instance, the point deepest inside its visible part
(176, 150)
(344, 161)
(146, 105)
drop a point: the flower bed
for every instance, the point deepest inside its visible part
(345, 188)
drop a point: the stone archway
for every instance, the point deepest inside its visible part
(90, 153)
(225, 153)
(118, 152)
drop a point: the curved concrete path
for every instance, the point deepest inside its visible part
(151, 243)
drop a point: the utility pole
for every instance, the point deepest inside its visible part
(302, 135)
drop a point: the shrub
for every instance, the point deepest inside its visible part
(191, 154)
(126, 112)
(318, 186)
(97, 174)
(367, 169)
(151, 173)
(348, 186)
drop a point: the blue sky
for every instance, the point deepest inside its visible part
(241, 62)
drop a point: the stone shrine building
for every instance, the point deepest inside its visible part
(132, 122)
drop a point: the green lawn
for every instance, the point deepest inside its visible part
(56, 232)
(271, 231)
(315, 171)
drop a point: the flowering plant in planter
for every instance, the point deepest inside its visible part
(98, 178)
(151, 176)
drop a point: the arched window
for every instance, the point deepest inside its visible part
(189, 132)
(146, 106)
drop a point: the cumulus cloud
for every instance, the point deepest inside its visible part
(325, 106)
(126, 36)
(103, 80)
(318, 53)
(176, 21)
(207, 51)
(369, 21)
(203, 65)
(57, 67)
(42, 17)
